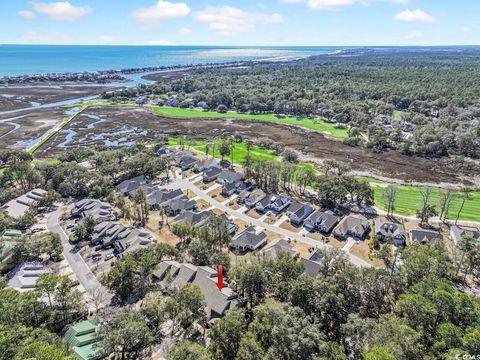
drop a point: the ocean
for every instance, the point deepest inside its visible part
(40, 59)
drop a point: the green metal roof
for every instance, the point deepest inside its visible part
(88, 352)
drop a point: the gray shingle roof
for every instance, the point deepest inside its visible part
(423, 236)
(323, 219)
(313, 262)
(457, 232)
(218, 301)
(249, 239)
(277, 246)
(130, 185)
(352, 225)
(193, 218)
(389, 229)
(18, 207)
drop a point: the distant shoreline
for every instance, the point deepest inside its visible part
(108, 76)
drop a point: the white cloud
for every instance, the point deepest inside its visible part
(414, 35)
(27, 14)
(329, 4)
(227, 20)
(185, 31)
(61, 11)
(47, 38)
(336, 4)
(106, 39)
(163, 10)
(465, 29)
(414, 16)
(160, 43)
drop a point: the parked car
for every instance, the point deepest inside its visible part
(98, 247)
(109, 256)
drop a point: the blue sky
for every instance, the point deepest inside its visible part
(241, 22)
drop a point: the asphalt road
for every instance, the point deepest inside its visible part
(186, 184)
(96, 291)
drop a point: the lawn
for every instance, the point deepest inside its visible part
(312, 124)
(409, 198)
(239, 153)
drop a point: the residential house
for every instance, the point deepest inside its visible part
(172, 274)
(254, 197)
(356, 226)
(163, 152)
(141, 100)
(19, 207)
(127, 186)
(193, 218)
(321, 221)
(179, 205)
(313, 263)
(82, 339)
(456, 233)
(147, 190)
(173, 101)
(100, 211)
(25, 276)
(132, 240)
(119, 236)
(422, 236)
(276, 247)
(229, 177)
(388, 230)
(298, 212)
(186, 162)
(12, 234)
(211, 174)
(160, 198)
(248, 240)
(232, 188)
(203, 165)
(242, 196)
(275, 203)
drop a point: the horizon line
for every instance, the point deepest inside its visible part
(244, 46)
